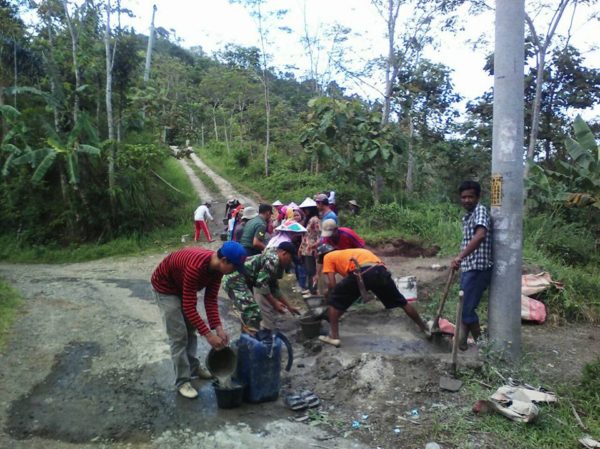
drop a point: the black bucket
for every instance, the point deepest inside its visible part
(311, 326)
(229, 397)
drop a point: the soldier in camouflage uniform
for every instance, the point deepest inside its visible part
(256, 294)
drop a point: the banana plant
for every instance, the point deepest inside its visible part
(65, 152)
(8, 144)
(584, 169)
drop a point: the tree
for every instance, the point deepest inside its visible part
(349, 135)
(150, 47)
(423, 17)
(13, 31)
(424, 96)
(542, 44)
(261, 18)
(110, 61)
(569, 85)
(583, 170)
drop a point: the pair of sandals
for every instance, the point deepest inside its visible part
(302, 401)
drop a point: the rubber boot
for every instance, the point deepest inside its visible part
(463, 334)
(475, 331)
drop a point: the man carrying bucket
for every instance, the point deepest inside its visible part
(175, 283)
(255, 293)
(371, 272)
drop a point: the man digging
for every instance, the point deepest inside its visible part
(375, 277)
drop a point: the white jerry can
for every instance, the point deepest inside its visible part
(407, 285)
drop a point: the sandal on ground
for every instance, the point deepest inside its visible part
(330, 341)
(295, 402)
(310, 398)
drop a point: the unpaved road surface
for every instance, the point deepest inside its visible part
(87, 366)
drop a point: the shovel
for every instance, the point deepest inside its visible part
(452, 383)
(435, 327)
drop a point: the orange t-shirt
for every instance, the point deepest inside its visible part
(339, 261)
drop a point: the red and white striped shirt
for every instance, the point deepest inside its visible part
(185, 272)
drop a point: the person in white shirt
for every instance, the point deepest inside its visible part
(200, 216)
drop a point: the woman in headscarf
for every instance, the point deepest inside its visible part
(310, 241)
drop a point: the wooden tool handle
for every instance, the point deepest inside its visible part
(457, 331)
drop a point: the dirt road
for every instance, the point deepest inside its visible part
(87, 366)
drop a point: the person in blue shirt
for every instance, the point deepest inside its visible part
(325, 210)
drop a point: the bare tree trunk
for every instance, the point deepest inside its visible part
(52, 75)
(202, 134)
(268, 124)
(535, 116)
(391, 63)
(149, 49)
(16, 72)
(226, 137)
(110, 58)
(391, 72)
(265, 81)
(74, 46)
(541, 45)
(411, 157)
(215, 123)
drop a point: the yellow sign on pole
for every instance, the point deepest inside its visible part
(496, 199)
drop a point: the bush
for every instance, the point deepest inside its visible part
(242, 157)
(570, 242)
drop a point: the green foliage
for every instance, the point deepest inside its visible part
(571, 243)
(584, 170)
(590, 383)
(427, 223)
(9, 304)
(349, 136)
(155, 224)
(141, 157)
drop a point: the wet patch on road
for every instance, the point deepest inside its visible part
(139, 288)
(76, 406)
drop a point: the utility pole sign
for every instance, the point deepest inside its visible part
(507, 178)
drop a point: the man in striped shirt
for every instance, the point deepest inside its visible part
(176, 282)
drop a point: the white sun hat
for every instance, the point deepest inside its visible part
(308, 202)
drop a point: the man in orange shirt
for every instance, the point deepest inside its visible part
(376, 278)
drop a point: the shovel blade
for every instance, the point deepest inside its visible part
(450, 384)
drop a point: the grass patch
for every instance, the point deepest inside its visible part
(555, 428)
(164, 238)
(9, 304)
(208, 182)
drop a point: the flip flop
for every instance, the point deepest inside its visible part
(331, 341)
(295, 402)
(310, 398)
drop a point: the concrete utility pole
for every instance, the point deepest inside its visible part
(507, 178)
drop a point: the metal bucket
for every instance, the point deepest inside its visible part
(221, 364)
(314, 301)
